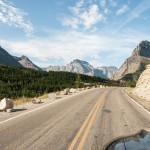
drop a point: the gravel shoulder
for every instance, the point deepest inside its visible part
(141, 101)
(29, 106)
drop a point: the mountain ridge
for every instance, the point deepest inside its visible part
(83, 67)
(138, 60)
(109, 71)
(26, 62)
(7, 59)
(78, 66)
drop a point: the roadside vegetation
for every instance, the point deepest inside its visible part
(20, 82)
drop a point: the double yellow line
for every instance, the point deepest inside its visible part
(87, 126)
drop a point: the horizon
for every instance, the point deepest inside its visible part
(101, 32)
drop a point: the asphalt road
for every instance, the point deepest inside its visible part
(85, 121)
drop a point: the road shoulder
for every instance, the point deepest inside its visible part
(29, 107)
(138, 100)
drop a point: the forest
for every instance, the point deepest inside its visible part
(18, 82)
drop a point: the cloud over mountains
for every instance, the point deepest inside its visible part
(15, 17)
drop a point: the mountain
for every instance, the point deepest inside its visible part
(142, 88)
(78, 66)
(25, 62)
(7, 59)
(134, 65)
(108, 71)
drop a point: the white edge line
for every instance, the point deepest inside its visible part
(41, 107)
(137, 103)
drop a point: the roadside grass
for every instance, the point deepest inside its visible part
(22, 100)
(58, 93)
(141, 101)
(44, 96)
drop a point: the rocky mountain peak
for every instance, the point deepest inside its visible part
(80, 61)
(140, 56)
(26, 62)
(143, 49)
(23, 57)
(108, 71)
(78, 66)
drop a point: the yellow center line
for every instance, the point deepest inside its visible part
(83, 126)
(85, 135)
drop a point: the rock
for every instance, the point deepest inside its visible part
(6, 104)
(36, 101)
(66, 91)
(52, 96)
(10, 110)
(87, 87)
(73, 90)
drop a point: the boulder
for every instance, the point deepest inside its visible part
(52, 96)
(66, 91)
(36, 101)
(6, 103)
(10, 110)
(72, 90)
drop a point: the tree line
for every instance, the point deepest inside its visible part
(18, 82)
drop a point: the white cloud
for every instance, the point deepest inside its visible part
(67, 46)
(105, 10)
(136, 12)
(85, 16)
(15, 17)
(91, 16)
(122, 10)
(72, 22)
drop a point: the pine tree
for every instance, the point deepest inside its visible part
(78, 81)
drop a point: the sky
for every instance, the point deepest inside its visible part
(55, 32)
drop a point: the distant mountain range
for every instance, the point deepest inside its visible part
(108, 71)
(83, 67)
(76, 66)
(134, 65)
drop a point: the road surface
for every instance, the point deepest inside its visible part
(86, 121)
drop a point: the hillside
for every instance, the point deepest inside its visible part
(27, 63)
(142, 88)
(134, 65)
(7, 59)
(79, 66)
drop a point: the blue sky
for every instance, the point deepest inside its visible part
(54, 32)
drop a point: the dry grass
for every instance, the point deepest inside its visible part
(58, 93)
(44, 96)
(143, 102)
(22, 100)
